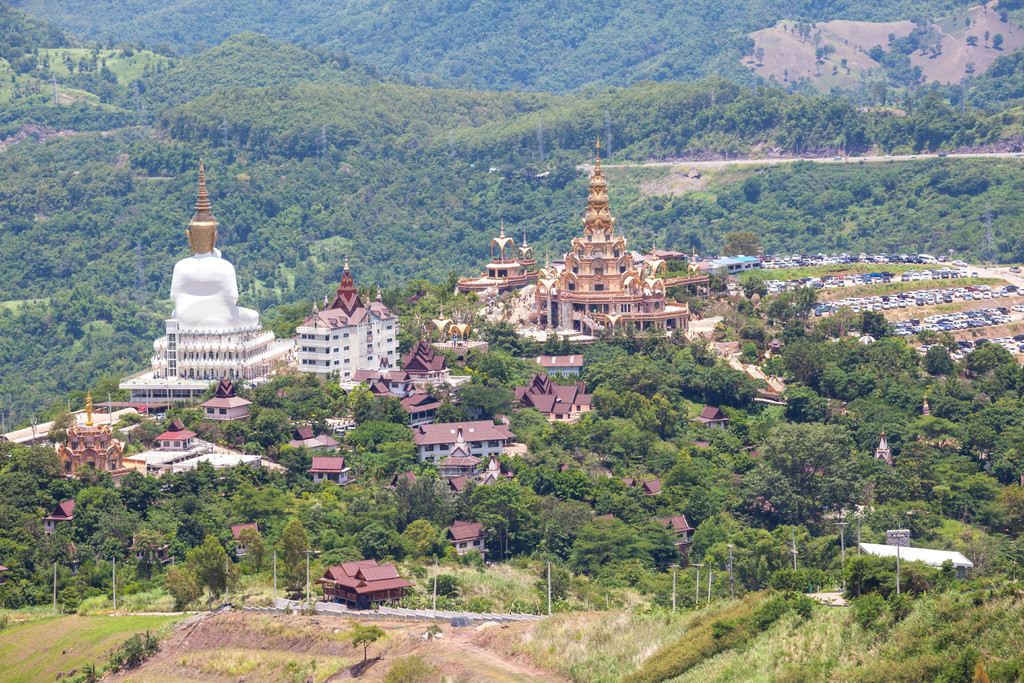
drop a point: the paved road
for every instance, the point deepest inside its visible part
(720, 163)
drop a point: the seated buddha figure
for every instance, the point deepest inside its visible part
(204, 288)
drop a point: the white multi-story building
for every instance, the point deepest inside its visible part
(481, 439)
(347, 335)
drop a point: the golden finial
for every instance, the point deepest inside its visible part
(598, 163)
(203, 201)
(202, 229)
(502, 228)
(88, 409)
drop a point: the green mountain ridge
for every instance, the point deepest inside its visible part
(554, 46)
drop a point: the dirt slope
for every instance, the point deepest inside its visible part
(257, 648)
(789, 56)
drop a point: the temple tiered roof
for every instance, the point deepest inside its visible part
(600, 284)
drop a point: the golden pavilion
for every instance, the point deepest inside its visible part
(601, 284)
(509, 269)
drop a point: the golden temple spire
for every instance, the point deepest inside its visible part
(202, 229)
(502, 228)
(203, 201)
(88, 409)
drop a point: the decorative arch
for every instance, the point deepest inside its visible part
(441, 325)
(570, 282)
(525, 252)
(597, 267)
(503, 243)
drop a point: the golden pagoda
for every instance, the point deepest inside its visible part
(601, 284)
(509, 269)
(91, 445)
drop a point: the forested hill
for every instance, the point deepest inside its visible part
(252, 60)
(556, 46)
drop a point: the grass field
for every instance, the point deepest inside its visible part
(40, 650)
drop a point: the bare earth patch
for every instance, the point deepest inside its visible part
(675, 183)
(789, 56)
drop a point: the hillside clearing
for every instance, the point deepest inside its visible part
(40, 650)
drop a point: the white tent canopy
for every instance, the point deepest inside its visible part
(935, 558)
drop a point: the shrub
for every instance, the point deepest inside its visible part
(722, 628)
(411, 669)
(868, 608)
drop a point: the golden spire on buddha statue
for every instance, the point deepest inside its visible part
(202, 229)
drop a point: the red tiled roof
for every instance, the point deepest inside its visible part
(64, 511)
(457, 484)
(378, 573)
(176, 432)
(676, 524)
(422, 359)
(465, 531)
(550, 398)
(236, 529)
(652, 487)
(350, 568)
(365, 576)
(383, 585)
(711, 414)
(328, 464)
(460, 461)
(481, 430)
(225, 397)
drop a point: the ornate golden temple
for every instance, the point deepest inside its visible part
(509, 269)
(601, 284)
(92, 446)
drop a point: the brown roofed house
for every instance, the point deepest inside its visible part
(176, 438)
(226, 404)
(651, 488)
(679, 528)
(559, 402)
(236, 531)
(423, 362)
(64, 512)
(468, 537)
(362, 584)
(330, 468)
(712, 417)
(304, 438)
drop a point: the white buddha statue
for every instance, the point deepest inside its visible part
(204, 288)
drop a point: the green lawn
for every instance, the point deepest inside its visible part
(39, 650)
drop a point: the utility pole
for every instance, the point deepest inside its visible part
(275, 579)
(549, 589)
(113, 568)
(794, 550)
(858, 535)
(227, 597)
(54, 589)
(696, 599)
(674, 568)
(709, 583)
(732, 584)
(435, 588)
(307, 552)
(842, 547)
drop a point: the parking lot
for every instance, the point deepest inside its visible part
(860, 279)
